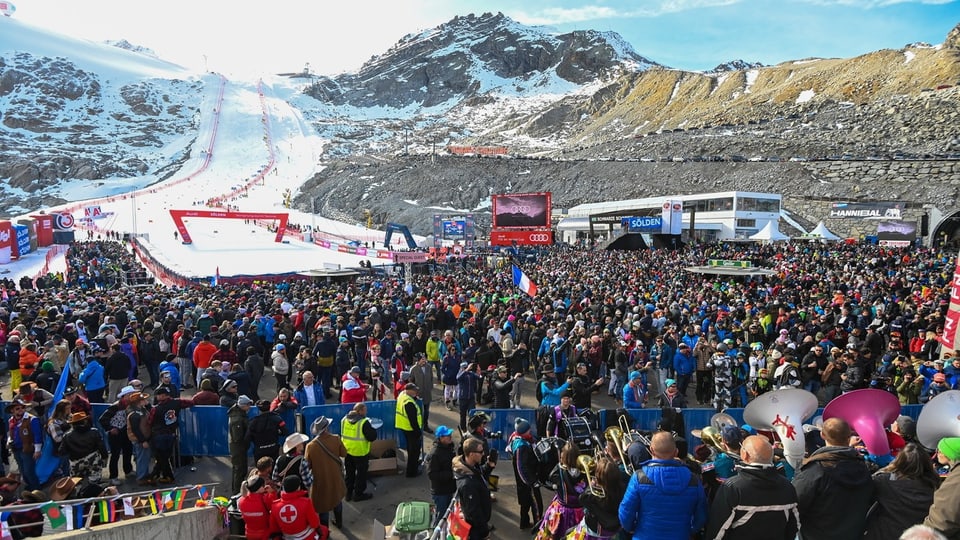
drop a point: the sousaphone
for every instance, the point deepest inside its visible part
(783, 411)
(868, 411)
(939, 418)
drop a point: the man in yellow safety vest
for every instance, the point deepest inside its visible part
(409, 420)
(357, 433)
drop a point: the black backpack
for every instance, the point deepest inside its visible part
(542, 418)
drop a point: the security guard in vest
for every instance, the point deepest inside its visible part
(357, 433)
(409, 420)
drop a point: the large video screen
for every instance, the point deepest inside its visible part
(454, 229)
(521, 210)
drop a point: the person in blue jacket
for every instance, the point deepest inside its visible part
(549, 391)
(170, 364)
(633, 391)
(684, 364)
(92, 377)
(664, 500)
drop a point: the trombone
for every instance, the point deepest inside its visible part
(586, 463)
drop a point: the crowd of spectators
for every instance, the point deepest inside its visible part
(625, 316)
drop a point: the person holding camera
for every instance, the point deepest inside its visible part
(478, 430)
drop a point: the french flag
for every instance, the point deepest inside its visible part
(521, 280)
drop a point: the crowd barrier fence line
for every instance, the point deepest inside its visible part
(203, 428)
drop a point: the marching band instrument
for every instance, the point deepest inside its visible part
(614, 435)
(939, 418)
(587, 464)
(630, 436)
(710, 437)
(722, 420)
(868, 411)
(784, 412)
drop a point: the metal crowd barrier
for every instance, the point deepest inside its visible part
(203, 429)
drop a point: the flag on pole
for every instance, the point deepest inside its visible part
(128, 506)
(167, 500)
(203, 492)
(56, 517)
(48, 462)
(216, 278)
(521, 280)
(155, 503)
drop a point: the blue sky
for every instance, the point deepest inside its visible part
(245, 37)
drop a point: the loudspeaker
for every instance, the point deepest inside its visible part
(924, 224)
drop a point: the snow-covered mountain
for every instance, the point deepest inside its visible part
(75, 114)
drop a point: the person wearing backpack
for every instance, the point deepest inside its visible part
(526, 472)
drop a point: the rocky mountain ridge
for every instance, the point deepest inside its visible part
(573, 102)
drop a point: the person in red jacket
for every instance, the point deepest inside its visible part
(203, 355)
(352, 389)
(294, 516)
(255, 507)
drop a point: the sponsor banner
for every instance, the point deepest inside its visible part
(6, 235)
(92, 212)
(724, 263)
(526, 210)
(542, 237)
(864, 210)
(652, 224)
(950, 323)
(63, 221)
(672, 217)
(406, 257)
(23, 239)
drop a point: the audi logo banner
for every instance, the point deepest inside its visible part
(500, 237)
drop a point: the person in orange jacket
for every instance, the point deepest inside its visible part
(255, 508)
(294, 516)
(29, 361)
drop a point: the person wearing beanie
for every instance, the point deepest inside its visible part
(357, 433)
(46, 378)
(238, 432)
(526, 473)
(254, 507)
(322, 472)
(293, 515)
(944, 514)
(207, 395)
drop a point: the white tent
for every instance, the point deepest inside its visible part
(770, 233)
(821, 231)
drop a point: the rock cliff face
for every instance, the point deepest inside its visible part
(472, 55)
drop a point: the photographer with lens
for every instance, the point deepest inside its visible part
(478, 430)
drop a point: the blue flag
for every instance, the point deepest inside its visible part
(48, 463)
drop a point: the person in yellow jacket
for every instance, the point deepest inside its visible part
(409, 420)
(357, 433)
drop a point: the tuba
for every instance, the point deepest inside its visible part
(784, 412)
(588, 464)
(868, 411)
(710, 437)
(939, 418)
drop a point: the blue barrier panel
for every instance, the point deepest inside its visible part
(383, 410)
(502, 420)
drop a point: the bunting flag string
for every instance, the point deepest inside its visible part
(128, 509)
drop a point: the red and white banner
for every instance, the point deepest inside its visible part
(949, 336)
(538, 237)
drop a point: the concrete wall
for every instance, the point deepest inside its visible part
(189, 524)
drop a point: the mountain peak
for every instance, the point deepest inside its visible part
(735, 65)
(475, 56)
